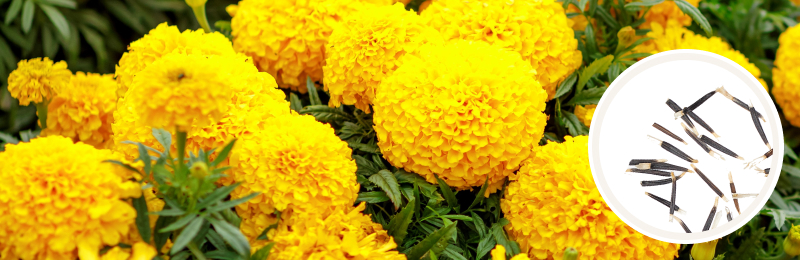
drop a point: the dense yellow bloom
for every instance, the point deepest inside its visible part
(791, 244)
(674, 37)
(59, 200)
(704, 251)
(786, 75)
(295, 162)
(553, 203)
(37, 80)
(287, 38)
(664, 12)
(462, 111)
(368, 48)
(585, 114)
(538, 30)
(181, 90)
(341, 233)
(139, 251)
(499, 253)
(83, 110)
(162, 40)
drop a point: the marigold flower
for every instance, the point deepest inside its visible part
(368, 48)
(139, 251)
(499, 253)
(704, 251)
(664, 12)
(674, 37)
(553, 203)
(37, 80)
(341, 233)
(786, 75)
(537, 30)
(59, 200)
(585, 114)
(791, 244)
(83, 110)
(162, 40)
(287, 38)
(462, 111)
(278, 163)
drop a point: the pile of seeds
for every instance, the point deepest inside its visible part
(660, 167)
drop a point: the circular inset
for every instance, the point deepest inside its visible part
(657, 96)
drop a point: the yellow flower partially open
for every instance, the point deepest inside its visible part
(37, 80)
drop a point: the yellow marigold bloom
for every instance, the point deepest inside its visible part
(59, 200)
(288, 38)
(368, 48)
(674, 37)
(83, 110)
(341, 233)
(786, 75)
(553, 203)
(585, 114)
(162, 40)
(139, 251)
(499, 253)
(664, 12)
(791, 244)
(538, 30)
(462, 111)
(277, 162)
(705, 251)
(37, 80)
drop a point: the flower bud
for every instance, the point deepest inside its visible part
(704, 251)
(199, 170)
(570, 254)
(791, 245)
(626, 36)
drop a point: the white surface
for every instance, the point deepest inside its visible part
(628, 120)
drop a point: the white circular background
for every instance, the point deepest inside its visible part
(637, 99)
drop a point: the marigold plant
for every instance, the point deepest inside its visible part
(37, 80)
(664, 12)
(138, 251)
(786, 75)
(367, 48)
(553, 203)
(463, 111)
(59, 200)
(537, 30)
(83, 110)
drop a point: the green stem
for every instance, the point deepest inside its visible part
(181, 143)
(200, 14)
(41, 109)
(196, 251)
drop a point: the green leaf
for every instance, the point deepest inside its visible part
(95, 40)
(186, 235)
(597, 66)
(8, 138)
(608, 19)
(263, 235)
(644, 3)
(142, 218)
(372, 197)
(160, 238)
(222, 155)
(459, 217)
(485, 246)
(312, 92)
(49, 43)
(479, 197)
(62, 3)
(27, 16)
(124, 14)
(215, 240)
(367, 148)
(327, 114)
(447, 193)
(263, 252)
(145, 158)
(13, 11)
(791, 170)
(181, 256)
(779, 217)
(232, 236)
(566, 85)
(776, 199)
(788, 152)
(574, 125)
(750, 247)
(697, 17)
(92, 18)
(295, 103)
(720, 257)
(398, 226)
(233, 203)
(388, 183)
(217, 195)
(7, 55)
(127, 166)
(169, 212)
(432, 242)
(588, 97)
(591, 44)
(499, 234)
(222, 254)
(636, 56)
(179, 223)
(163, 137)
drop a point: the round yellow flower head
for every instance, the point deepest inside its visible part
(368, 48)
(288, 38)
(791, 244)
(664, 12)
(181, 90)
(553, 203)
(462, 111)
(675, 37)
(538, 30)
(279, 163)
(786, 75)
(139, 251)
(705, 251)
(83, 110)
(59, 200)
(499, 253)
(162, 40)
(585, 114)
(342, 233)
(37, 80)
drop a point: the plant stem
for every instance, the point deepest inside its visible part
(200, 14)
(181, 143)
(41, 111)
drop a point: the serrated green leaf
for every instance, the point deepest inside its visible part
(606, 17)
(186, 235)
(499, 234)
(776, 199)
(142, 218)
(313, 95)
(295, 103)
(450, 251)
(223, 155)
(163, 137)
(232, 236)
(486, 245)
(27, 16)
(589, 37)
(566, 85)
(144, 157)
(327, 114)
(574, 125)
(481, 194)
(644, 3)
(398, 226)
(160, 238)
(372, 197)
(13, 11)
(215, 239)
(181, 222)
(388, 183)
(697, 17)
(597, 66)
(367, 148)
(720, 257)
(231, 203)
(217, 195)
(447, 193)
(778, 216)
(431, 243)
(588, 97)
